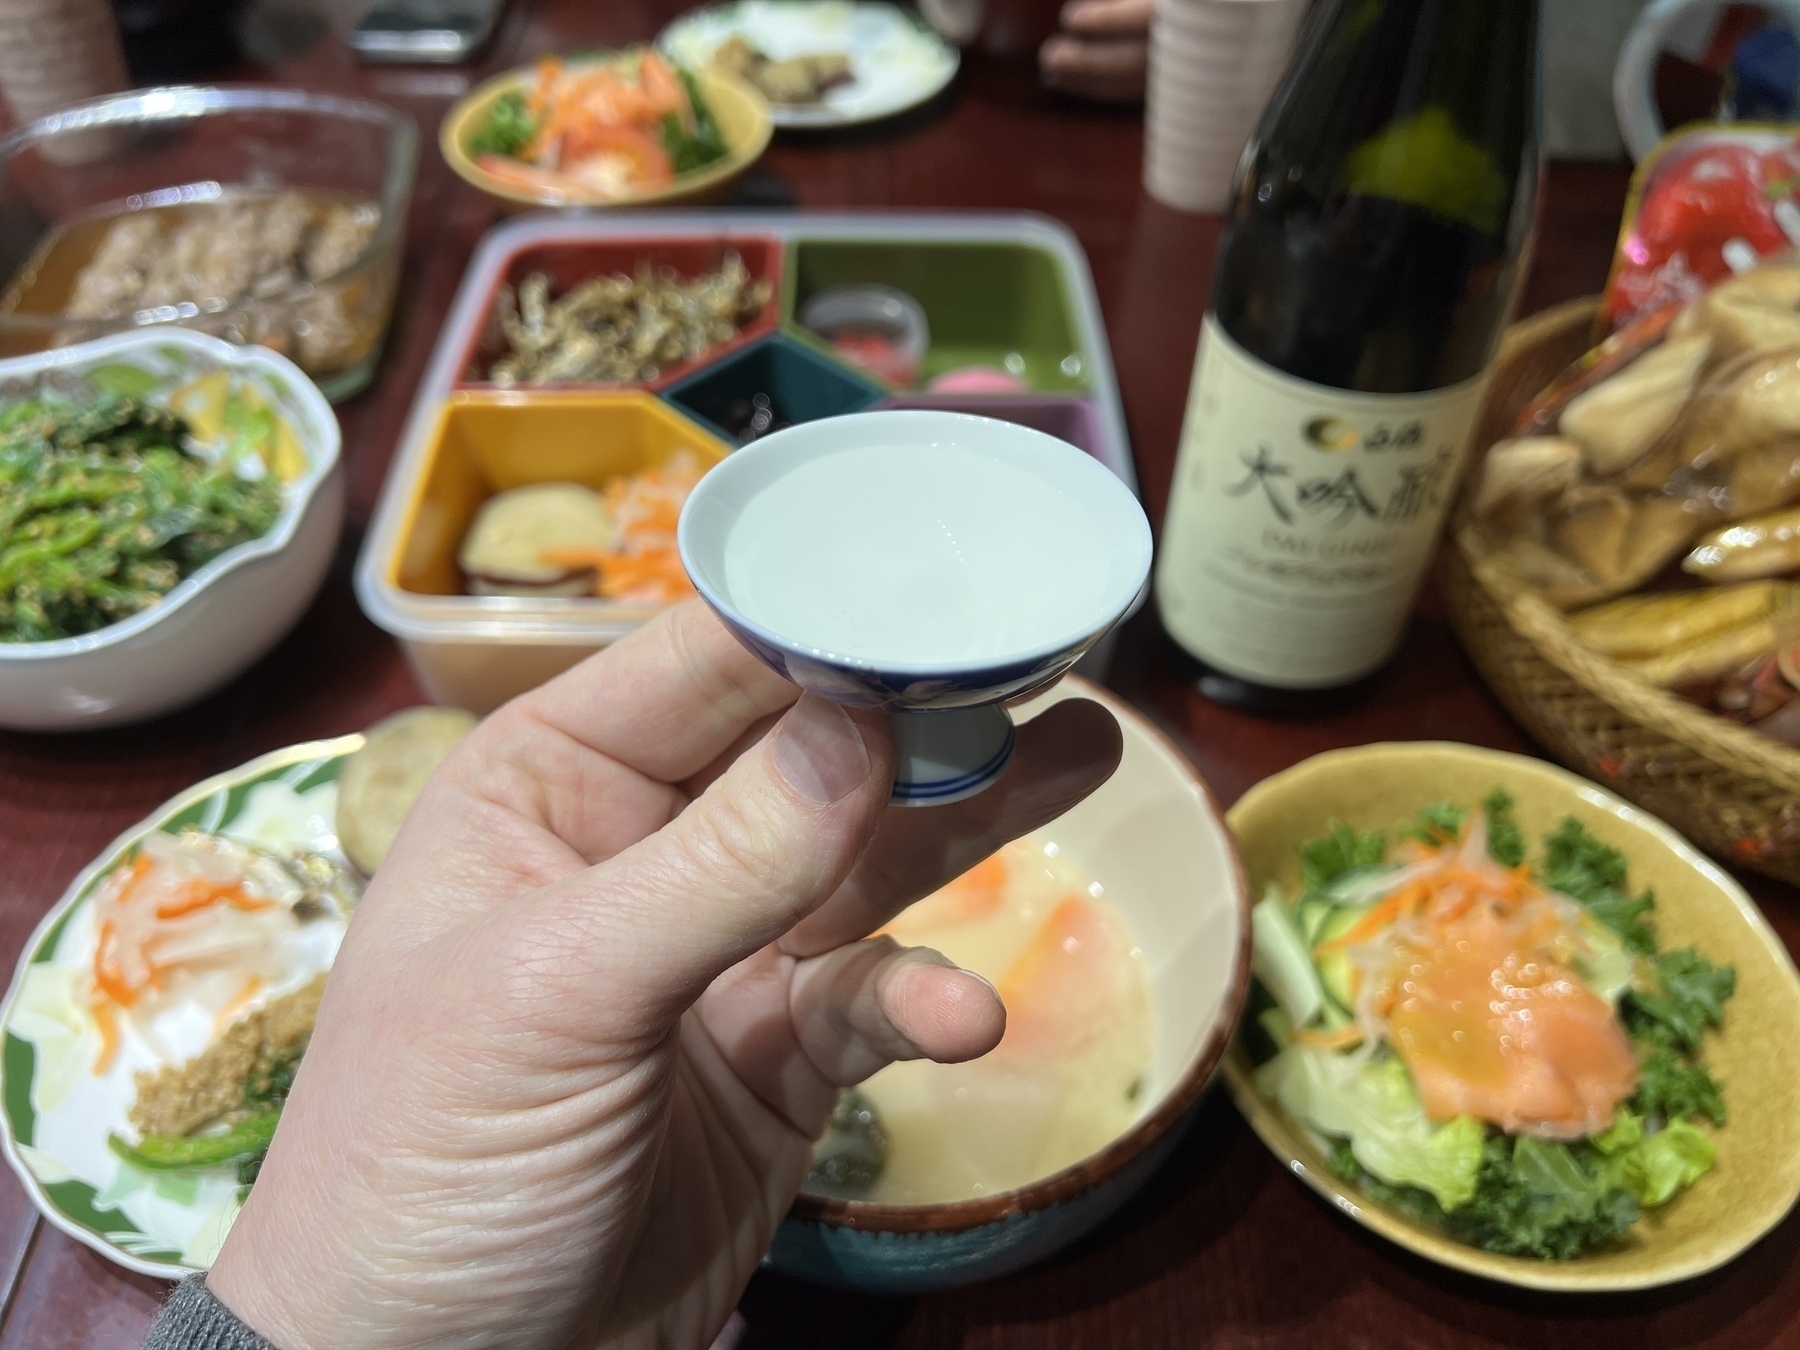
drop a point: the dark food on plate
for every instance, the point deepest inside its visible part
(799, 79)
(566, 539)
(278, 258)
(108, 504)
(746, 419)
(849, 1158)
(606, 128)
(380, 782)
(621, 329)
(1493, 1046)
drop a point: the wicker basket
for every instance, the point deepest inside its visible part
(1733, 791)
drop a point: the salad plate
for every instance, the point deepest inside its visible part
(896, 61)
(57, 1115)
(1747, 1176)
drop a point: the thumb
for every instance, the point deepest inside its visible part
(767, 843)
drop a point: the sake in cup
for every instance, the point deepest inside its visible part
(931, 564)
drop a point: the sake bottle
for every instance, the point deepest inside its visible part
(1379, 230)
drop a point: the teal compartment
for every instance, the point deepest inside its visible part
(802, 385)
(989, 303)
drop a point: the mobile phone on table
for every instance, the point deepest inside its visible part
(425, 30)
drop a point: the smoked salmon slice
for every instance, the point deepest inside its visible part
(1493, 1023)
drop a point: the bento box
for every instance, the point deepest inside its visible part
(581, 349)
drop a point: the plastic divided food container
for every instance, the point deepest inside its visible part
(1002, 293)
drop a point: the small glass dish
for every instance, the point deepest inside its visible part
(176, 148)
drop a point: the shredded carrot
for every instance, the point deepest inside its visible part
(107, 976)
(108, 1025)
(200, 895)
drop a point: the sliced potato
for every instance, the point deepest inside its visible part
(381, 781)
(505, 549)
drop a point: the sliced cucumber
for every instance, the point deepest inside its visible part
(1336, 973)
(1309, 914)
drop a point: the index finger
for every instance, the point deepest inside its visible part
(667, 700)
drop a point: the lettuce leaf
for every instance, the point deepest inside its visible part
(1653, 1166)
(1373, 1105)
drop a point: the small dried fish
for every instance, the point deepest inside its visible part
(622, 329)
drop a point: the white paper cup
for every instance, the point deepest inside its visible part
(1213, 66)
(56, 52)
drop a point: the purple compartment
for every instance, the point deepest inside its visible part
(1064, 417)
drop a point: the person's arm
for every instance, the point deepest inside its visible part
(599, 1001)
(193, 1319)
(1102, 52)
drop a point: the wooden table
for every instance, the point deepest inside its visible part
(1220, 1248)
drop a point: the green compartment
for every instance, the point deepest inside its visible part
(988, 303)
(803, 384)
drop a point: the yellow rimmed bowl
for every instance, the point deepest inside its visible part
(741, 112)
(1757, 1178)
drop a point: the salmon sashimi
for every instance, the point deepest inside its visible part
(1473, 981)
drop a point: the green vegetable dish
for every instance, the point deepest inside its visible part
(1487, 1041)
(109, 501)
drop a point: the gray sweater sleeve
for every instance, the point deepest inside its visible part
(193, 1319)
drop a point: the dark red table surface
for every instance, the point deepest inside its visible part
(1220, 1248)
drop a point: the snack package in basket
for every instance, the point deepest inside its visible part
(1709, 203)
(1667, 461)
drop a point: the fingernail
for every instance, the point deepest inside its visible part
(820, 752)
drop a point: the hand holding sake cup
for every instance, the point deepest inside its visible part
(933, 565)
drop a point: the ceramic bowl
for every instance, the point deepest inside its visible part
(1758, 1174)
(1117, 520)
(741, 112)
(1154, 837)
(229, 612)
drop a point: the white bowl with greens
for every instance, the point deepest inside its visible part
(172, 503)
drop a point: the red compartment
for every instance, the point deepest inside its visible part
(578, 260)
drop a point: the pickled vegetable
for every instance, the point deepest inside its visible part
(1764, 547)
(1642, 626)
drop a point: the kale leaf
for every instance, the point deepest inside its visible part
(1534, 1197)
(1339, 852)
(1583, 868)
(1506, 841)
(1690, 999)
(1436, 824)
(1676, 1088)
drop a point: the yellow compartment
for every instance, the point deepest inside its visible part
(479, 651)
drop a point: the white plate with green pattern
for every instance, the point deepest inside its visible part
(56, 1113)
(896, 60)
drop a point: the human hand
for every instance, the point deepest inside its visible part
(601, 997)
(1102, 52)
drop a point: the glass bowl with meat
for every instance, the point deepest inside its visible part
(264, 216)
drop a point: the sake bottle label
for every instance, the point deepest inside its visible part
(1302, 517)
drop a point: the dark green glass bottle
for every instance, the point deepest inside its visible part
(1379, 230)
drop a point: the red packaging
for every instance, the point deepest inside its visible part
(1711, 202)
